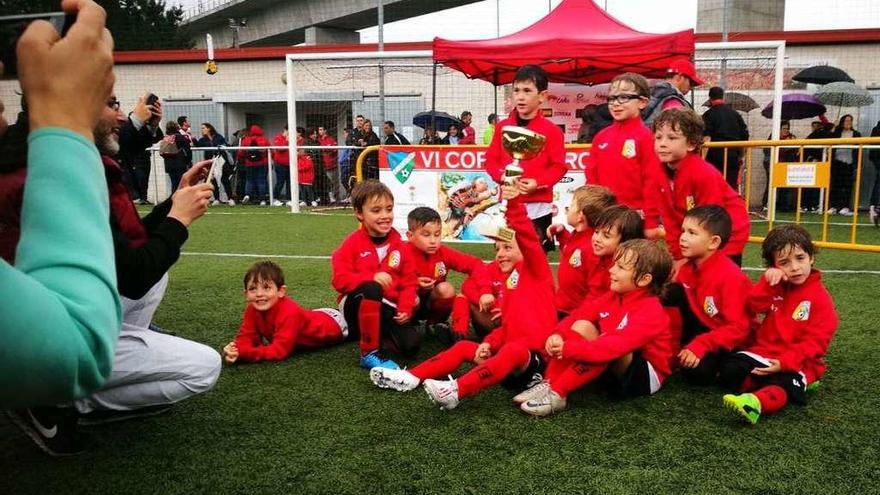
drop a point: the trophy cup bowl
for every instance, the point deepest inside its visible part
(521, 144)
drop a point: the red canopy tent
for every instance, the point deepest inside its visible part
(576, 42)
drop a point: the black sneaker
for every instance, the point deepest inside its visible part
(53, 429)
(101, 417)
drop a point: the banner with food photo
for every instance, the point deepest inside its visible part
(453, 181)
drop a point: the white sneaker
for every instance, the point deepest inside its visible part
(302, 203)
(532, 393)
(832, 211)
(444, 393)
(246, 199)
(846, 212)
(137, 201)
(278, 203)
(873, 213)
(231, 202)
(215, 202)
(314, 203)
(400, 380)
(262, 203)
(545, 405)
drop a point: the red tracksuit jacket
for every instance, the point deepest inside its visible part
(697, 183)
(356, 262)
(438, 265)
(527, 309)
(284, 326)
(576, 262)
(546, 168)
(798, 325)
(634, 321)
(487, 279)
(622, 159)
(717, 292)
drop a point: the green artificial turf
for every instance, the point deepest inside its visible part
(315, 423)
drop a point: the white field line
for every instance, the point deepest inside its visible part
(324, 258)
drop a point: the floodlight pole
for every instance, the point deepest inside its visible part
(381, 48)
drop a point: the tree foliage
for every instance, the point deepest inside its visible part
(135, 24)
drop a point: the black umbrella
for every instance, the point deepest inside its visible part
(441, 120)
(822, 74)
(738, 101)
(796, 106)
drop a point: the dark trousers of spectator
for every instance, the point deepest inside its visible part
(784, 197)
(306, 193)
(257, 187)
(141, 180)
(875, 191)
(175, 180)
(226, 180)
(282, 181)
(842, 177)
(715, 156)
(321, 184)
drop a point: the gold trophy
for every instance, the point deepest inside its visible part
(521, 144)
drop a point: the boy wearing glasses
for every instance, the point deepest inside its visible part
(622, 155)
(541, 173)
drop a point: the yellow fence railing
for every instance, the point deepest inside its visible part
(781, 175)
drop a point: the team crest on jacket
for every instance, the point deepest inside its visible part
(394, 259)
(513, 280)
(623, 322)
(801, 312)
(709, 306)
(440, 269)
(575, 259)
(629, 148)
(690, 203)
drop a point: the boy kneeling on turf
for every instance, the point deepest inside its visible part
(785, 354)
(514, 352)
(375, 280)
(274, 325)
(624, 334)
(710, 294)
(433, 262)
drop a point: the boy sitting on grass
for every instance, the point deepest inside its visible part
(785, 354)
(710, 294)
(433, 262)
(514, 351)
(624, 334)
(576, 257)
(614, 226)
(375, 280)
(274, 325)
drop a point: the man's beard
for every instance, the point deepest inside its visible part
(106, 142)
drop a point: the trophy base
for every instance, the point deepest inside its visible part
(498, 232)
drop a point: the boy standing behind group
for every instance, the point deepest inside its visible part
(541, 173)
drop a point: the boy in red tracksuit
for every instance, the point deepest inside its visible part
(785, 354)
(514, 351)
(622, 155)
(274, 318)
(375, 280)
(614, 226)
(483, 294)
(433, 262)
(576, 257)
(305, 174)
(624, 334)
(710, 294)
(684, 180)
(541, 173)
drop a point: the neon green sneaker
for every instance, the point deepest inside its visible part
(812, 387)
(746, 405)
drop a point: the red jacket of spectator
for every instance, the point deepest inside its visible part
(468, 135)
(286, 326)
(255, 137)
(634, 321)
(356, 261)
(546, 168)
(279, 156)
(328, 157)
(697, 183)
(717, 291)
(799, 322)
(622, 159)
(438, 265)
(576, 263)
(527, 309)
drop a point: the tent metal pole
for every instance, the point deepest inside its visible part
(434, 96)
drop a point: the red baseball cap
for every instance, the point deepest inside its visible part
(686, 68)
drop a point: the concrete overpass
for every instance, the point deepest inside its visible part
(290, 22)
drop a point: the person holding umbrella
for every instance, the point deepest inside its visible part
(874, 156)
(843, 169)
